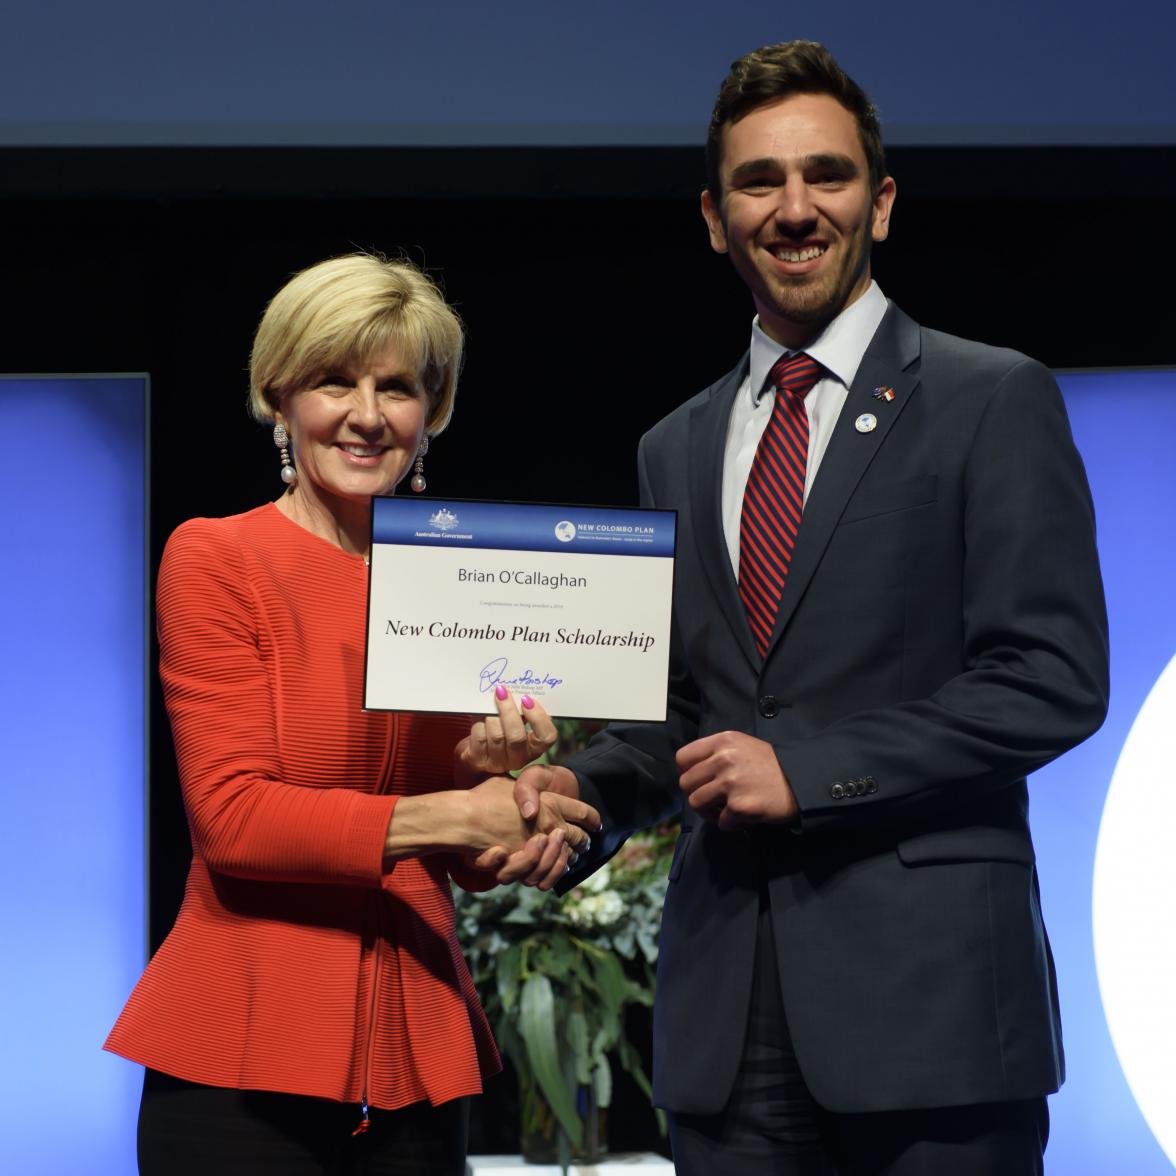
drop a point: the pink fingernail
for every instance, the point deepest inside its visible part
(528, 702)
(500, 692)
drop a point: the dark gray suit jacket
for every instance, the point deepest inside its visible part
(942, 633)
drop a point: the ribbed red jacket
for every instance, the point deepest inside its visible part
(295, 964)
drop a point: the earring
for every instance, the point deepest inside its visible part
(282, 440)
(418, 482)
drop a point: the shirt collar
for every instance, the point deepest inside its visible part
(838, 348)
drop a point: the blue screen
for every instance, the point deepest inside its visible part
(72, 697)
(1124, 424)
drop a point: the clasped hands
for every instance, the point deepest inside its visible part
(536, 842)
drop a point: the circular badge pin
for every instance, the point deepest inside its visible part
(866, 423)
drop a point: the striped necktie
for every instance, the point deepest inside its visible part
(774, 496)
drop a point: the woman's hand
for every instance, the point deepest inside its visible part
(507, 741)
(561, 831)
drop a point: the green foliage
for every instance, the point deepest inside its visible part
(555, 977)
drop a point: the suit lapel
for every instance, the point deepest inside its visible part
(707, 440)
(893, 350)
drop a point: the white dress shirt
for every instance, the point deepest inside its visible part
(838, 349)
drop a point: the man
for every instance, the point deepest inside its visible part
(888, 611)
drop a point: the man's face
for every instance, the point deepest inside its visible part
(796, 213)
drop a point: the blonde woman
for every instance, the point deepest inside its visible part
(310, 1010)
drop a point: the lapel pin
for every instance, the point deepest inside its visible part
(883, 393)
(866, 423)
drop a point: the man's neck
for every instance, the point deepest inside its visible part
(797, 335)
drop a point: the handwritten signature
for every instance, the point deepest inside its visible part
(494, 673)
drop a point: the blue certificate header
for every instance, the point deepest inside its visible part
(514, 526)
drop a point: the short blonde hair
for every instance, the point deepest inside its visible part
(343, 312)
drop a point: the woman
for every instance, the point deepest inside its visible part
(310, 1010)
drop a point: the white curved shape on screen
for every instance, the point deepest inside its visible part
(1134, 909)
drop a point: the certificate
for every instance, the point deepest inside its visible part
(569, 604)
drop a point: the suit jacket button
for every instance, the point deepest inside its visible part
(837, 791)
(871, 785)
(852, 788)
(768, 706)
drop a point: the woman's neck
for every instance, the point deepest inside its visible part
(340, 521)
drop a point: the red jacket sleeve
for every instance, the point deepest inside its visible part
(243, 818)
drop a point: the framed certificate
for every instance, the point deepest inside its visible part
(569, 604)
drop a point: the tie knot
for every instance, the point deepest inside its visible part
(795, 373)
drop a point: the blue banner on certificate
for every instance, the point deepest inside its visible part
(569, 604)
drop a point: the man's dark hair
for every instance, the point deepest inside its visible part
(779, 71)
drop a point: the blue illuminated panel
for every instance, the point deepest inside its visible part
(1125, 426)
(72, 697)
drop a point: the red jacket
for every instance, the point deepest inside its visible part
(296, 964)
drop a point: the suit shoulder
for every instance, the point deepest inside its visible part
(968, 355)
(966, 376)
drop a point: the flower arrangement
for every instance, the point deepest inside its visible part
(556, 976)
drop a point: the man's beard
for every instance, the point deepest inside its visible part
(821, 301)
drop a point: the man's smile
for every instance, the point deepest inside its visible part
(792, 254)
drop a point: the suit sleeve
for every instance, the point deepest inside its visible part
(628, 772)
(243, 818)
(1034, 634)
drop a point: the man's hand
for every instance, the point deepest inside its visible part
(735, 780)
(537, 863)
(543, 778)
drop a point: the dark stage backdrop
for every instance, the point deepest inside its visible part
(593, 301)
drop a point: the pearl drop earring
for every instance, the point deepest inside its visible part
(418, 482)
(282, 441)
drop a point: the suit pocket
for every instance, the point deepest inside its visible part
(679, 854)
(983, 843)
(870, 501)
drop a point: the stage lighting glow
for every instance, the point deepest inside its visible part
(1134, 921)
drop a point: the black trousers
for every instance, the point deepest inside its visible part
(186, 1129)
(773, 1127)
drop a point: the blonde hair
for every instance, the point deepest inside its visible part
(343, 312)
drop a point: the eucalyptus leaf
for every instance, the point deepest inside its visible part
(520, 915)
(610, 979)
(578, 1039)
(602, 1082)
(631, 1061)
(507, 975)
(555, 956)
(624, 940)
(606, 1038)
(537, 1027)
(647, 943)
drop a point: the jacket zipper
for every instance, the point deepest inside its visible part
(365, 1121)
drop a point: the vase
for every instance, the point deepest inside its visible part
(542, 1137)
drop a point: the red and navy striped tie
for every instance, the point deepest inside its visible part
(774, 496)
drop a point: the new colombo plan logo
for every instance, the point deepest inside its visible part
(565, 531)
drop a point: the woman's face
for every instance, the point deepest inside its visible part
(356, 432)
